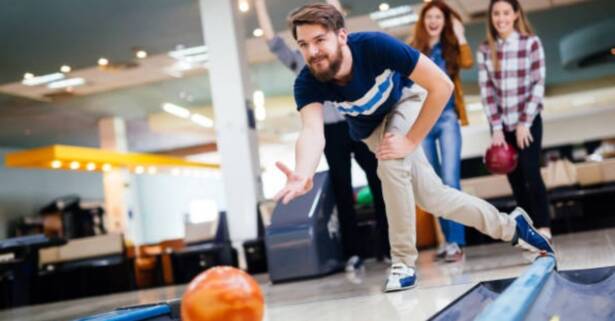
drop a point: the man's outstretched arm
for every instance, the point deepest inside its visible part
(308, 150)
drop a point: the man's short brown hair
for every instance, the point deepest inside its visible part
(322, 14)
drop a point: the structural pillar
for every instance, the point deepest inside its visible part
(122, 213)
(234, 117)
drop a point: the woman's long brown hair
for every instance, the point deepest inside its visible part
(522, 25)
(448, 40)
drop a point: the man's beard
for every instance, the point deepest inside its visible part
(334, 66)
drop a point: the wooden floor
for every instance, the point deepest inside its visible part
(359, 296)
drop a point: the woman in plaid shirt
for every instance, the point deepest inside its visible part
(511, 78)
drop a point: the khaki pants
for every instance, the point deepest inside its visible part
(412, 181)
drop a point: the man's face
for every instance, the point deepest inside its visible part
(321, 49)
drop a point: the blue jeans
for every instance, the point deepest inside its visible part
(446, 134)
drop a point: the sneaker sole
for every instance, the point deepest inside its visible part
(400, 289)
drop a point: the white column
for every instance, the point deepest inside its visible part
(122, 213)
(235, 123)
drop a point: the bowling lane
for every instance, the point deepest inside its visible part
(359, 296)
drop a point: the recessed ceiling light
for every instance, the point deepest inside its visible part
(152, 170)
(103, 61)
(141, 54)
(106, 167)
(244, 5)
(74, 165)
(258, 32)
(139, 169)
(383, 6)
(65, 69)
(56, 164)
(91, 166)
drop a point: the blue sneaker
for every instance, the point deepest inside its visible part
(528, 233)
(400, 278)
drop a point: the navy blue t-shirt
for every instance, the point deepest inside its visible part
(381, 65)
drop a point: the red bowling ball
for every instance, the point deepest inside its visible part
(501, 159)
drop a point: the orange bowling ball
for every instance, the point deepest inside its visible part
(223, 294)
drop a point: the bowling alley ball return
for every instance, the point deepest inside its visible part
(540, 293)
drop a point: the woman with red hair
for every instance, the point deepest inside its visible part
(439, 34)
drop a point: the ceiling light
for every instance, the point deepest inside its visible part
(187, 59)
(35, 81)
(258, 32)
(202, 120)
(91, 166)
(260, 113)
(195, 59)
(106, 167)
(72, 82)
(383, 6)
(74, 165)
(56, 164)
(139, 170)
(394, 22)
(28, 75)
(65, 69)
(184, 52)
(244, 5)
(141, 54)
(176, 110)
(103, 61)
(258, 97)
(152, 170)
(392, 12)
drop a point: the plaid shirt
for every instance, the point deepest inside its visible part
(514, 94)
